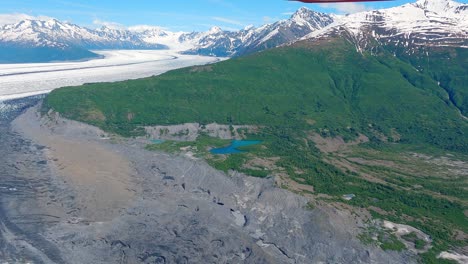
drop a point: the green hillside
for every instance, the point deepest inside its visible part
(341, 90)
(448, 66)
(323, 88)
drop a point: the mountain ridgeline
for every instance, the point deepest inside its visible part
(55, 40)
(326, 80)
(440, 22)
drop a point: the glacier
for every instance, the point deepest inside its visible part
(21, 80)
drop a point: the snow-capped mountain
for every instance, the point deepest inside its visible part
(217, 42)
(158, 35)
(54, 33)
(425, 23)
(251, 39)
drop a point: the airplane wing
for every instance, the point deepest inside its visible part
(336, 1)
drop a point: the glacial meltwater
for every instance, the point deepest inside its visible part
(234, 147)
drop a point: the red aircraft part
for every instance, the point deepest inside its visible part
(336, 1)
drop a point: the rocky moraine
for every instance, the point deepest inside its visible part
(70, 193)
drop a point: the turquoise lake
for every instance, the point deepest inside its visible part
(233, 148)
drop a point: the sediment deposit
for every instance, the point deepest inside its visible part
(73, 195)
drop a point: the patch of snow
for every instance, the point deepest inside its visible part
(269, 36)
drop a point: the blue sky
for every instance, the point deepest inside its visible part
(176, 15)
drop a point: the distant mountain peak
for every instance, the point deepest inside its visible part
(303, 12)
(53, 21)
(410, 26)
(215, 30)
(249, 27)
(313, 20)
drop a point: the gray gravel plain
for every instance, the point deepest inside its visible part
(181, 210)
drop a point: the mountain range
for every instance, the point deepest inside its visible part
(36, 40)
(423, 23)
(438, 22)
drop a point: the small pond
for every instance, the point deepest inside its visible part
(233, 148)
(157, 141)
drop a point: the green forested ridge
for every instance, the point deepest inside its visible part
(337, 87)
(329, 89)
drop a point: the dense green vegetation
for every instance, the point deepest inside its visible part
(412, 237)
(391, 242)
(293, 92)
(342, 91)
(382, 238)
(448, 66)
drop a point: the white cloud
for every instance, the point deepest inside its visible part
(17, 17)
(109, 24)
(228, 21)
(287, 13)
(346, 8)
